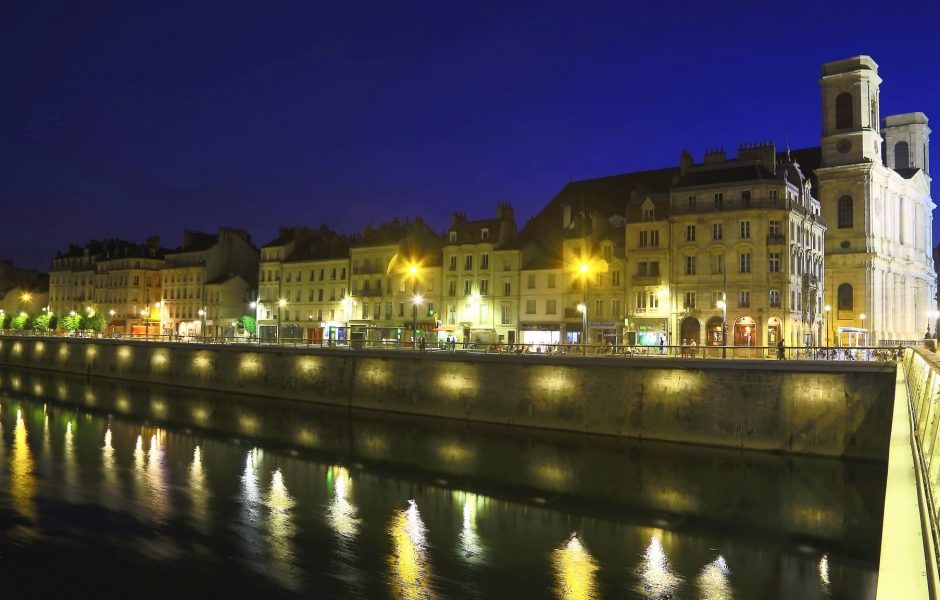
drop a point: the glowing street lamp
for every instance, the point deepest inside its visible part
(281, 303)
(416, 300)
(202, 313)
(724, 325)
(582, 308)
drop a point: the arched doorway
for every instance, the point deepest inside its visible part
(745, 332)
(691, 330)
(713, 331)
(774, 331)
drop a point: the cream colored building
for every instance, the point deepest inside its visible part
(481, 278)
(880, 280)
(648, 269)
(127, 289)
(72, 278)
(203, 258)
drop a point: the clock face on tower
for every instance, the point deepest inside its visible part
(844, 146)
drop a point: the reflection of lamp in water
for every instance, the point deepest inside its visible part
(470, 547)
(657, 580)
(410, 569)
(713, 581)
(574, 570)
(341, 513)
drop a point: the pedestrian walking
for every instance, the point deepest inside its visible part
(662, 344)
(781, 350)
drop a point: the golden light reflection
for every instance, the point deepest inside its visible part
(22, 482)
(63, 391)
(553, 380)
(471, 550)
(202, 362)
(111, 491)
(553, 475)
(410, 569)
(201, 415)
(248, 424)
(824, 571)
(249, 364)
(159, 360)
(575, 571)
(307, 436)
(341, 513)
(280, 529)
(15, 382)
(674, 500)
(71, 464)
(198, 491)
(63, 352)
(122, 403)
(713, 581)
(38, 349)
(376, 443)
(158, 408)
(124, 354)
(454, 452)
(156, 477)
(657, 580)
(37, 389)
(308, 365)
(455, 384)
(91, 352)
(90, 399)
(17, 348)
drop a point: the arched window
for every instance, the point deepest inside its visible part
(844, 111)
(846, 210)
(902, 156)
(845, 299)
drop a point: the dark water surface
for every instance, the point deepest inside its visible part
(109, 489)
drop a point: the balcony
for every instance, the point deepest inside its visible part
(776, 239)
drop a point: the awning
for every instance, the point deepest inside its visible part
(540, 326)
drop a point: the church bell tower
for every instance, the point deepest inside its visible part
(850, 112)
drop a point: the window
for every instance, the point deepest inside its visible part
(388, 310)
(690, 233)
(845, 212)
(746, 198)
(466, 287)
(774, 228)
(654, 239)
(691, 203)
(644, 239)
(773, 197)
(744, 299)
(716, 231)
(642, 268)
(745, 262)
(485, 261)
(845, 301)
(648, 213)
(652, 299)
(530, 307)
(321, 275)
(377, 312)
(484, 287)
(640, 302)
(719, 201)
(484, 234)
(902, 156)
(401, 309)
(451, 288)
(615, 278)
(690, 265)
(550, 307)
(551, 281)
(507, 288)
(689, 301)
(505, 312)
(365, 310)
(333, 273)
(654, 267)
(468, 262)
(774, 298)
(598, 308)
(844, 118)
(615, 308)
(342, 274)
(745, 230)
(773, 261)
(453, 236)
(608, 252)
(530, 281)
(453, 262)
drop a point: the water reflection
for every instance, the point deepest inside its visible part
(109, 475)
(341, 513)
(410, 568)
(280, 532)
(156, 479)
(251, 512)
(71, 466)
(575, 571)
(657, 579)
(198, 492)
(22, 481)
(470, 547)
(824, 572)
(713, 581)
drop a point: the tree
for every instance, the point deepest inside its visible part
(249, 324)
(20, 321)
(41, 322)
(5, 321)
(71, 322)
(94, 323)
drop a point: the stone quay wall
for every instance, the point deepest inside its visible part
(817, 408)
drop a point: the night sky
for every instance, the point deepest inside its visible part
(128, 119)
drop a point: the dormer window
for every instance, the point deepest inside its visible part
(453, 236)
(484, 234)
(648, 214)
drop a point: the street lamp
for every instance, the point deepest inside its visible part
(280, 314)
(724, 325)
(826, 310)
(416, 299)
(862, 317)
(202, 313)
(144, 316)
(582, 308)
(111, 313)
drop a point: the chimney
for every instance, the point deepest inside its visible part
(714, 155)
(685, 162)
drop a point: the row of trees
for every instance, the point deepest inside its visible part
(44, 322)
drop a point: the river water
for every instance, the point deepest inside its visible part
(115, 490)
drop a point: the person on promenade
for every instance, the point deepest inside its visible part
(692, 347)
(781, 350)
(662, 344)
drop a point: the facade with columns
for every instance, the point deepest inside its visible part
(874, 187)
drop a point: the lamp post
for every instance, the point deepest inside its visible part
(724, 325)
(253, 305)
(281, 303)
(826, 310)
(111, 313)
(416, 299)
(582, 308)
(144, 315)
(862, 317)
(202, 314)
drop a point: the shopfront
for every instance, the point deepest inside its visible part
(604, 333)
(541, 334)
(649, 332)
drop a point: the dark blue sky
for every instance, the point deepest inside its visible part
(126, 119)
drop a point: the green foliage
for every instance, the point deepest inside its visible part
(5, 321)
(53, 322)
(249, 324)
(41, 322)
(94, 323)
(71, 322)
(20, 321)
